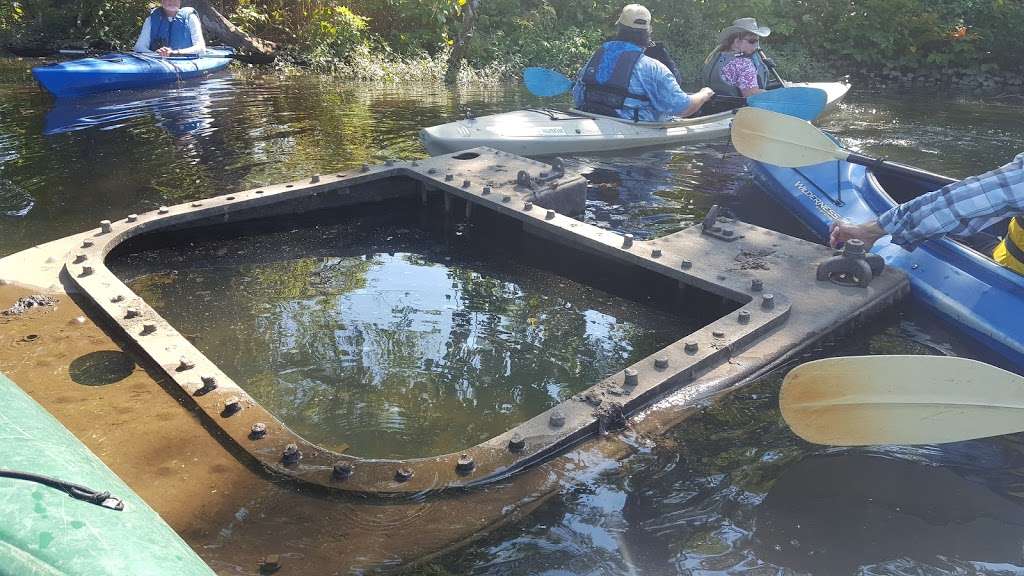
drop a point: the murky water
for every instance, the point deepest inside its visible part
(731, 491)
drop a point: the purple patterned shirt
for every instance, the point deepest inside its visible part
(741, 73)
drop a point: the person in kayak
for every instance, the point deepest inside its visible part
(171, 30)
(619, 80)
(735, 67)
(963, 208)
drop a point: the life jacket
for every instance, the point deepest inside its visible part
(173, 33)
(712, 73)
(606, 79)
(1010, 252)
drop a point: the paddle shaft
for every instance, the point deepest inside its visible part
(246, 58)
(771, 67)
(881, 165)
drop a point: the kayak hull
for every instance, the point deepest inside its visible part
(125, 71)
(541, 132)
(45, 531)
(961, 285)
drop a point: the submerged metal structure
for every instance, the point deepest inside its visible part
(759, 290)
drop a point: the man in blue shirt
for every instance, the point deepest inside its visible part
(619, 80)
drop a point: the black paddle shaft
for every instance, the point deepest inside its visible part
(883, 165)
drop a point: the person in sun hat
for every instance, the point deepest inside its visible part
(620, 80)
(171, 30)
(736, 67)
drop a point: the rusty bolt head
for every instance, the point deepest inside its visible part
(743, 317)
(404, 473)
(258, 430)
(197, 204)
(131, 313)
(466, 183)
(632, 377)
(487, 190)
(341, 471)
(232, 405)
(528, 206)
(270, 564)
(449, 177)
(768, 301)
(557, 419)
(506, 198)
(516, 442)
(661, 362)
(718, 334)
(314, 179)
(691, 346)
(364, 168)
(165, 209)
(133, 217)
(147, 329)
(86, 271)
(87, 243)
(80, 258)
(118, 298)
(185, 364)
(209, 382)
(465, 464)
(656, 253)
(627, 241)
(549, 215)
(686, 264)
(105, 226)
(756, 285)
(291, 454)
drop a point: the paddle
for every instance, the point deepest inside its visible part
(44, 52)
(870, 400)
(789, 142)
(801, 101)
(771, 67)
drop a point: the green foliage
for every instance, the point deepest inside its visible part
(56, 22)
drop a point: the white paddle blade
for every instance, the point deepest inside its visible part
(871, 400)
(781, 140)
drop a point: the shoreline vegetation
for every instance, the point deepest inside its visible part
(961, 44)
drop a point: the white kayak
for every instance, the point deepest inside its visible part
(541, 132)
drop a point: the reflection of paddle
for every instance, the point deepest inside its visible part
(782, 140)
(867, 400)
(44, 52)
(799, 101)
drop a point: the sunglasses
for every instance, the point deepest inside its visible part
(753, 40)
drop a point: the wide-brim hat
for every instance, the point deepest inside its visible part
(635, 16)
(744, 25)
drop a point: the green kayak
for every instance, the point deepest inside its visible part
(65, 513)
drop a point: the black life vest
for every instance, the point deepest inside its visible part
(606, 79)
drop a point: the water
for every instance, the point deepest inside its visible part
(732, 490)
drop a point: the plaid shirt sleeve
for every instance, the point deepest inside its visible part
(962, 208)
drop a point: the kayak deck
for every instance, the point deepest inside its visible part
(538, 132)
(123, 71)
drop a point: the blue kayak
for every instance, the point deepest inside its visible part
(963, 285)
(122, 71)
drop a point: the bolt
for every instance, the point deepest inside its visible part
(632, 378)
(449, 177)
(364, 168)
(259, 191)
(557, 419)
(257, 431)
(487, 190)
(768, 301)
(691, 346)
(315, 179)
(209, 383)
(617, 391)
(718, 334)
(291, 454)
(81, 258)
(341, 471)
(528, 206)
(656, 253)
(627, 241)
(133, 217)
(686, 264)
(756, 285)
(661, 362)
(270, 564)
(185, 364)
(116, 299)
(131, 313)
(506, 198)
(404, 473)
(549, 215)
(87, 244)
(165, 209)
(516, 443)
(727, 232)
(197, 204)
(432, 171)
(105, 226)
(743, 317)
(231, 406)
(466, 183)
(465, 464)
(147, 329)
(86, 271)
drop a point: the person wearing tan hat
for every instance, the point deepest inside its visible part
(735, 67)
(620, 80)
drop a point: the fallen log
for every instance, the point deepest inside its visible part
(215, 25)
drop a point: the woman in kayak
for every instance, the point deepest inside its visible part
(963, 208)
(735, 67)
(171, 30)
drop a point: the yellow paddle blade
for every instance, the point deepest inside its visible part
(781, 140)
(867, 400)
